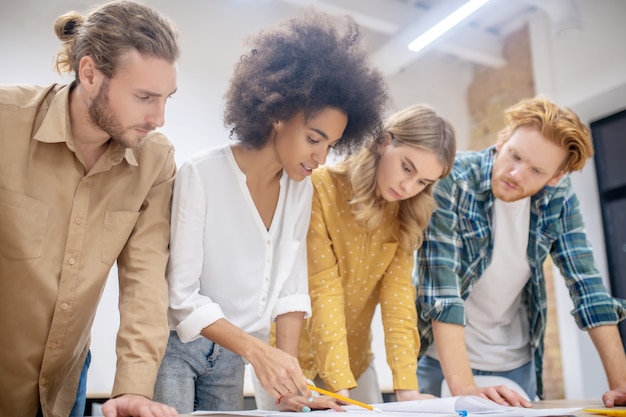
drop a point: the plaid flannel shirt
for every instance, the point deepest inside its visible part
(459, 243)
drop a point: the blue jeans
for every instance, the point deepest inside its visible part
(78, 409)
(199, 375)
(430, 376)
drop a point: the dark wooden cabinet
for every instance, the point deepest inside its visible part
(609, 138)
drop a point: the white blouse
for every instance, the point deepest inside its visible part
(223, 262)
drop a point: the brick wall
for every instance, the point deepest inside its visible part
(553, 388)
(492, 91)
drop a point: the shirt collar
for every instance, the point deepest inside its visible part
(118, 153)
(487, 169)
(56, 128)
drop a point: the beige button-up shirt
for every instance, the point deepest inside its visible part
(61, 230)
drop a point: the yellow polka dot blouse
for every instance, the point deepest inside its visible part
(351, 270)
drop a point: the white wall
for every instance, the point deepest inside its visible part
(441, 81)
(213, 32)
(577, 71)
(585, 70)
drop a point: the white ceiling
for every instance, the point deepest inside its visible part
(390, 25)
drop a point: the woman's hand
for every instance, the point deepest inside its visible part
(278, 372)
(410, 395)
(301, 403)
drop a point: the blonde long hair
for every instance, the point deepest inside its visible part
(418, 126)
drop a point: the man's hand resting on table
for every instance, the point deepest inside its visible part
(128, 405)
(614, 397)
(501, 394)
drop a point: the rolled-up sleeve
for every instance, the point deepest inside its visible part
(294, 293)
(438, 261)
(190, 309)
(143, 332)
(572, 253)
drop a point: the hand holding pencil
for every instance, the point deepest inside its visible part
(342, 398)
(298, 402)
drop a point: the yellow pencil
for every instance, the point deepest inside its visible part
(606, 412)
(340, 397)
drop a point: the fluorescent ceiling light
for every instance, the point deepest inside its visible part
(446, 24)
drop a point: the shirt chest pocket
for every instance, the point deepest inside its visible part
(547, 237)
(118, 226)
(473, 229)
(475, 234)
(23, 222)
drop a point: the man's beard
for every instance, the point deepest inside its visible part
(103, 117)
(502, 192)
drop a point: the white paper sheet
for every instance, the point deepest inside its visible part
(469, 406)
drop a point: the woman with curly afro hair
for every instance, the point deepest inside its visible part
(241, 212)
